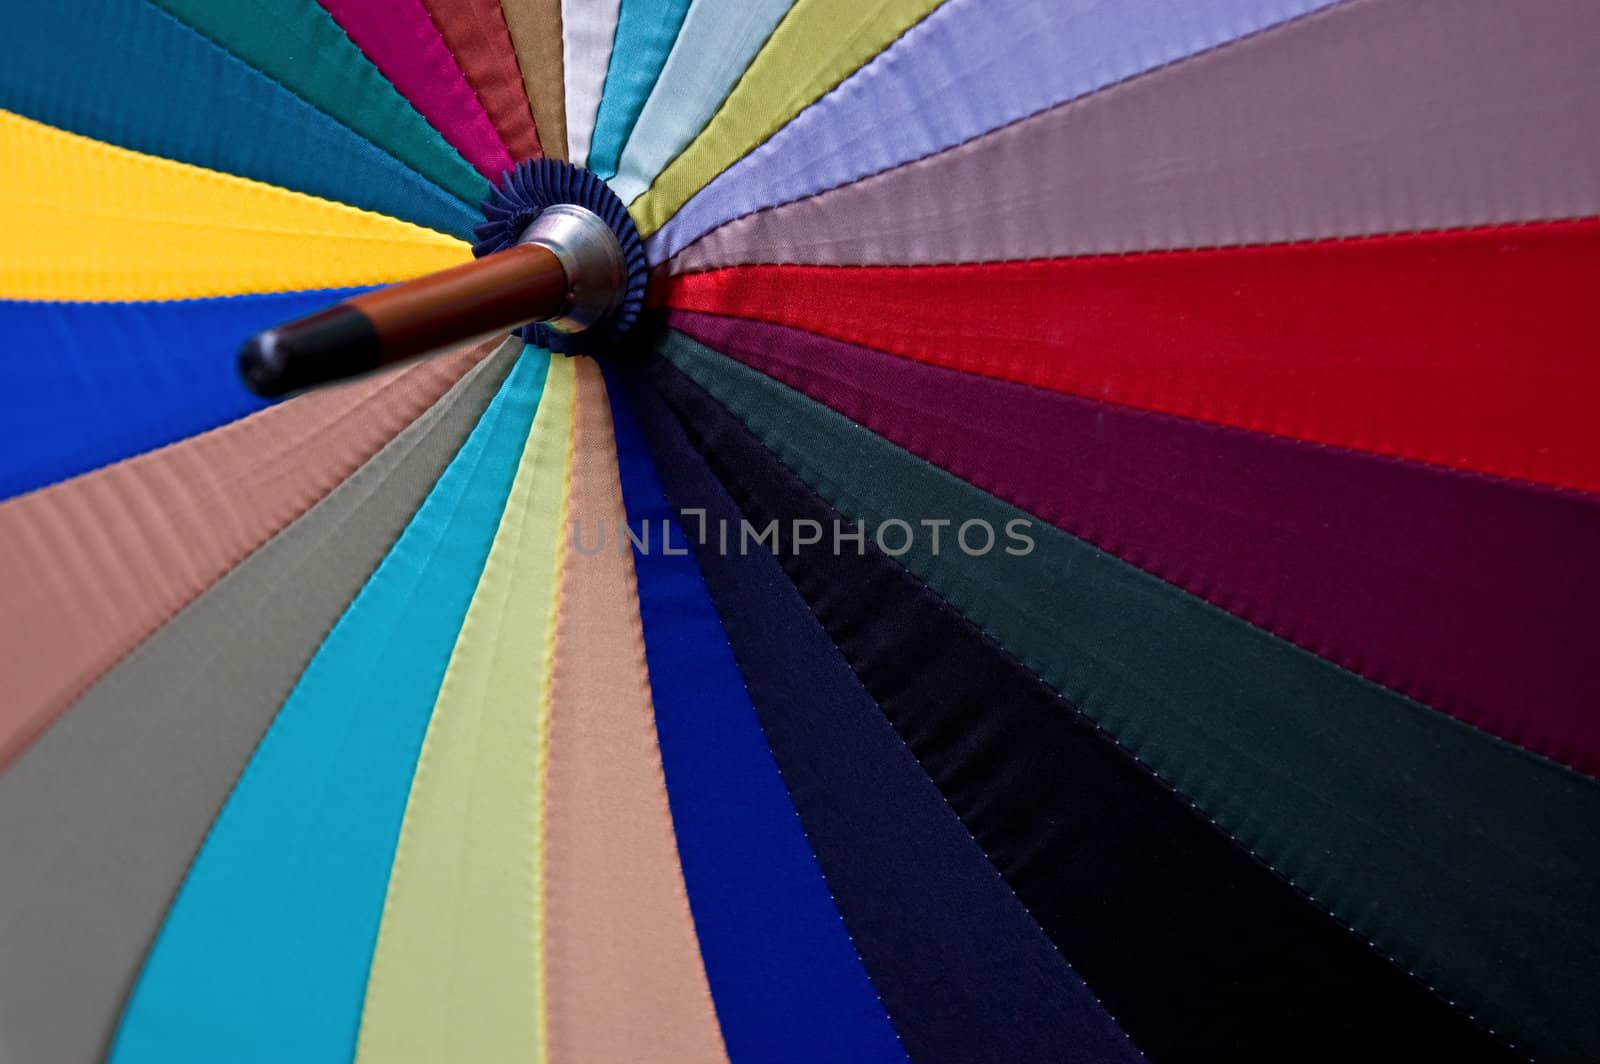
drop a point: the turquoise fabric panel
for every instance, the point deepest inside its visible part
(128, 73)
(646, 30)
(718, 40)
(264, 956)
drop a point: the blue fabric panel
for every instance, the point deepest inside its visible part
(969, 67)
(264, 956)
(128, 73)
(966, 973)
(787, 982)
(646, 30)
(83, 385)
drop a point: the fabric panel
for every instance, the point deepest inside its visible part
(535, 28)
(818, 44)
(1428, 115)
(156, 229)
(194, 699)
(297, 45)
(83, 385)
(128, 73)
(265, 952)
(622, 964)
(1469, 861)
(401, 40)
(802, 994)
(1200, 951)
(646, 30)
(457, 973)
(1027, 54)
(715, 45)
(90, 567)
(476, 32)
(1470, 349)
(963, 969)
(587, 30)
(1474, 595)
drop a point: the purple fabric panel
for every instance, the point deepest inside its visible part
(401, 40)
(1371, 116)
(1480, 597)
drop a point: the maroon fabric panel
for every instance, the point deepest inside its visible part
(1478, 596)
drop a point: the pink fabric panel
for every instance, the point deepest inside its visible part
(401, 40)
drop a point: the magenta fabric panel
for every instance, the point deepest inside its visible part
(1478, 596)
(402, 41)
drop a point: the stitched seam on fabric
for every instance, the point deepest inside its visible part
(774, 129)
(1204, 52)
(635, 621)
(741, 497)
(219, 46)
(788, 460)
(471, 86)
(1481, 717)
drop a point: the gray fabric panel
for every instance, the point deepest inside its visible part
(101, 817)
(1372, 116)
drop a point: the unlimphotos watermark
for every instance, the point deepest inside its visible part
(975, 538)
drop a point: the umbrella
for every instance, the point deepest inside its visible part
(1083, 548)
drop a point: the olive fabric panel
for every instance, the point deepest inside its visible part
(818, 44)
(1200, 951)
(535, 28)
(133, 775)
(127, 72)
(157, 229)
(965, 972)
(1473, 863)
(714, 47)
(1428, 114)
(265, 953)
(476, 32)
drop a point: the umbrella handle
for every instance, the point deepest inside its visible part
(567, 271)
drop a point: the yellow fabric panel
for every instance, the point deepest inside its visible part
(818, 44)
(88, 221)
(458, 972)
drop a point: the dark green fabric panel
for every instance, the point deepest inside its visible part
(299, 45)
(1471, 862)
(101, 817)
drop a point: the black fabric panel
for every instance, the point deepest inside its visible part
(1200, 951)
(963, 969)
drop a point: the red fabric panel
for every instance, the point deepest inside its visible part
(1475, 349)
(476, 32)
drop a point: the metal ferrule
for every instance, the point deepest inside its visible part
(591, 258)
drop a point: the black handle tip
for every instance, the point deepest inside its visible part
(324, 347)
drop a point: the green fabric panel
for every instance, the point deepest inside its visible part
(299, 45)
(1471, 862)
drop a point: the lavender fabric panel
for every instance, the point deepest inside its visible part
(403, 43)
(971, 66)
(1425, 580)
(1372, 116)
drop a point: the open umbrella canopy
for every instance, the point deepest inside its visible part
(1090, 553)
